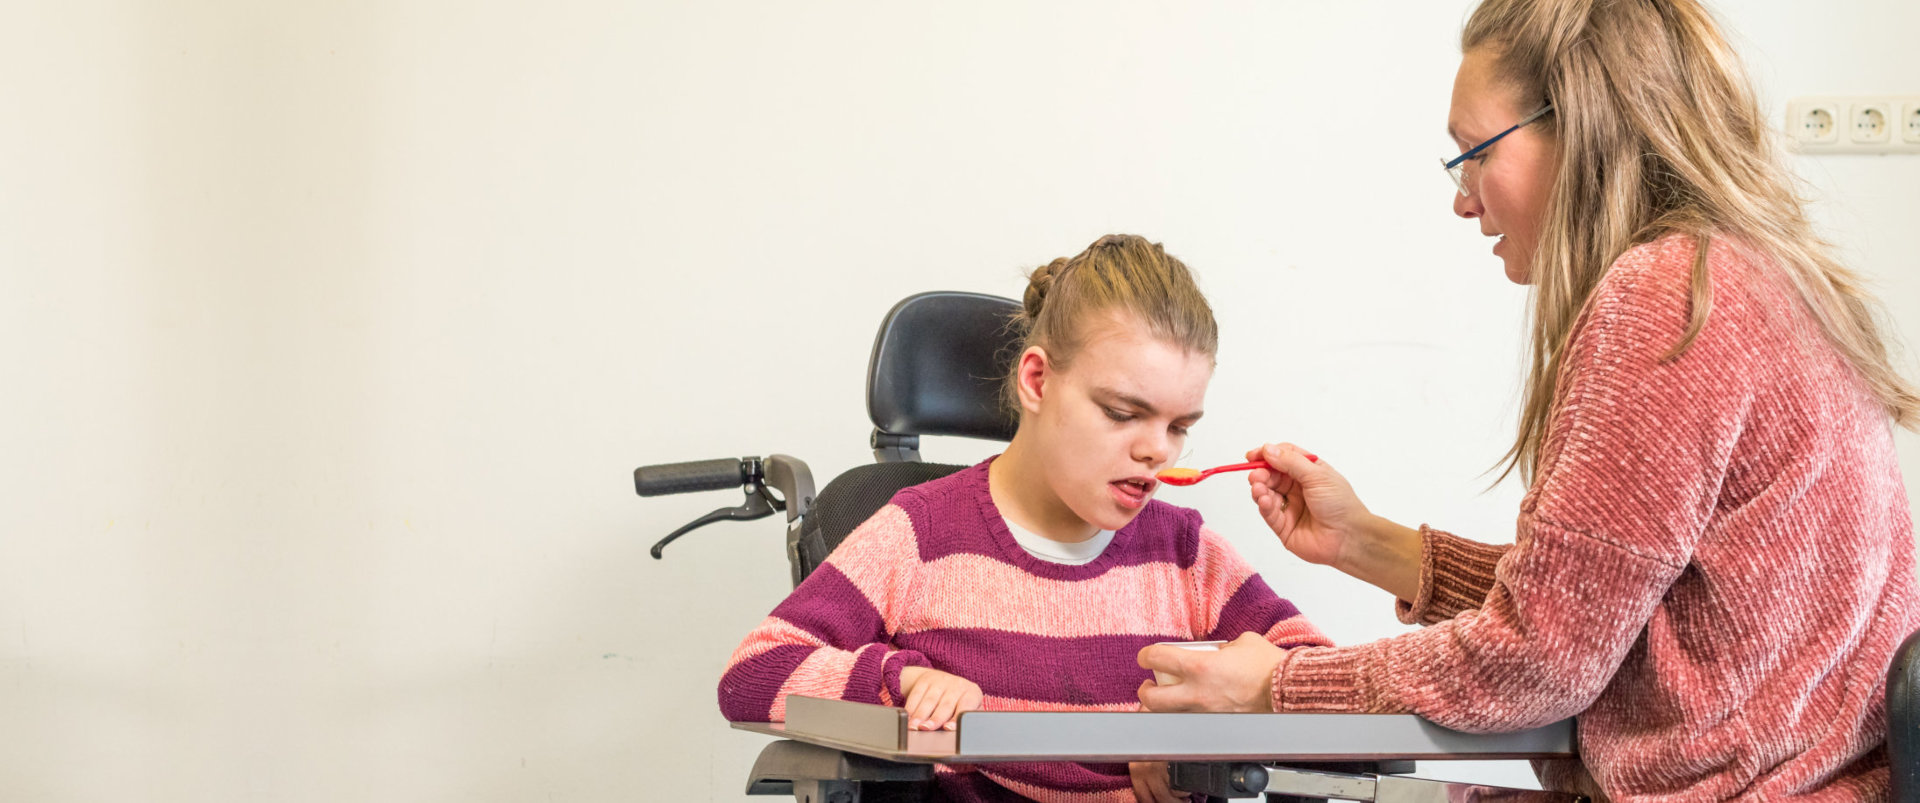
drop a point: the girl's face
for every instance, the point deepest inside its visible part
(1117, 415)
(1510, 181)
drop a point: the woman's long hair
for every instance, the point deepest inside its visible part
(1659, 134)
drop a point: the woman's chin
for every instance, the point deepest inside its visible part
(1517, 271)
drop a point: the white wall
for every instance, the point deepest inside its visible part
(332, 331)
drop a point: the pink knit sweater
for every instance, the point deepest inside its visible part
(935, 579)
(1711, 571)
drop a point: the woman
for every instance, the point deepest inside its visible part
(1714, 559)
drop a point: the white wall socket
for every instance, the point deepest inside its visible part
(1861, 124)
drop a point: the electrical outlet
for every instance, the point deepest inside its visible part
(1813, 122)
(1871, 122)
(1863, 124)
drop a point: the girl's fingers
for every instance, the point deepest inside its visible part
(913, 699)
(919, 710)
(961, 692)
(942, 710)
(1160, 784)
(937, 700)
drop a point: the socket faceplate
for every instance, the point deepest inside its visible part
(1854, 124)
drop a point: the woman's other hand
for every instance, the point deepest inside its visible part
(1236, 677)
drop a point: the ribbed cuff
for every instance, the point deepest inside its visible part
(1455, 575)
(1323, 679)
(890, 666)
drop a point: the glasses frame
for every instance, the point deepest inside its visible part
(1457, 167)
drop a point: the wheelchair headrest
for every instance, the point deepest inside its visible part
(938, 366)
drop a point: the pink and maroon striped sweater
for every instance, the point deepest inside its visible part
(1712, 568)
(935, 579)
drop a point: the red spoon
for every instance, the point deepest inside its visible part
(1189, 476)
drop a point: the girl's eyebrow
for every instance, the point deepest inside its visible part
(1109, 394)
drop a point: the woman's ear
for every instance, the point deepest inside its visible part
(1030, 382)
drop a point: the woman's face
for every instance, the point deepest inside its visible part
(1511, 180)
(1118, 414)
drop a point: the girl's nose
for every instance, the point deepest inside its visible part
(1152, 449)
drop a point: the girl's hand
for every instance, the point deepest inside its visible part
(935, 698)
(1151, 783)
(1308, 504)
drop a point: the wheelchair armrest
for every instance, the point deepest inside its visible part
(794, 480)
(784, 762)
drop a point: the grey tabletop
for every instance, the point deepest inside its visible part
(997, 736)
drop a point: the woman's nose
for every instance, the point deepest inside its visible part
(1466, 206)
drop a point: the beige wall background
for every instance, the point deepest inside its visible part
(332, 331)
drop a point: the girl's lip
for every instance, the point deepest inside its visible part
(1132, 492)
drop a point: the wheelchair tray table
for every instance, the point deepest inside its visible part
(994, 736)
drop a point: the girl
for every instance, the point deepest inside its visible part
(1030, 580)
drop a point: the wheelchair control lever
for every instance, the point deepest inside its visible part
(759, 505)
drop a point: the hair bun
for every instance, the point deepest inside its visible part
(1039, 284)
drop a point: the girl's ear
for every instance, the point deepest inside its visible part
(1031, 380)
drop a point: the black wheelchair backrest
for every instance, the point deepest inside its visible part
(938, 366)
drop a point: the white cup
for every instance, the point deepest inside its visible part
(1164, 679)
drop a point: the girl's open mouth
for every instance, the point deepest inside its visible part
(1132, 492)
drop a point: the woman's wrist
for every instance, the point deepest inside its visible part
(1385, 554)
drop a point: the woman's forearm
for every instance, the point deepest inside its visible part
(1386, 555)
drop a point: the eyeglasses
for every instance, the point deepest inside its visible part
(1457, 169)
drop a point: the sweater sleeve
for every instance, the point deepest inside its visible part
(830, 638)
(1629, 475)
(1234, 600)
(1455, 575)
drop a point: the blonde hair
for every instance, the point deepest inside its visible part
(1659, 133)
(1068, 297)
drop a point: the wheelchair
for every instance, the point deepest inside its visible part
(937, 368)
